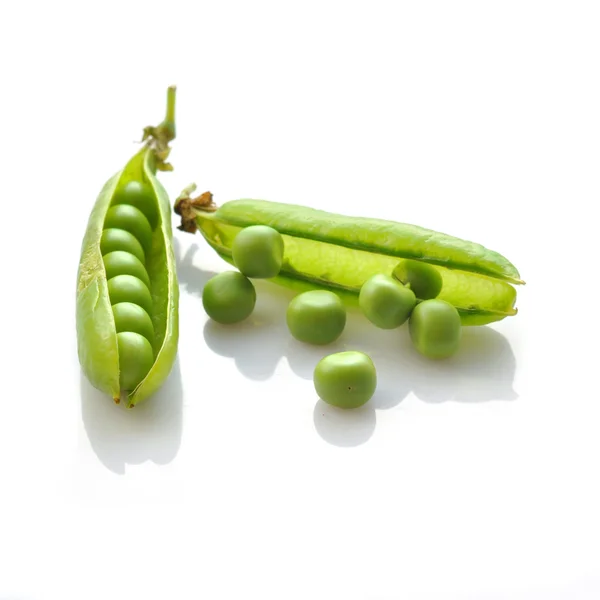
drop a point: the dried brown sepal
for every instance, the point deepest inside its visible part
(186, 207)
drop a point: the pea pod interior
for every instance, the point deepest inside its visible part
(323, 250)
(98, 345)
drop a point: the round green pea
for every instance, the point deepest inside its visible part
(316, 317)
(345, 379)
(124, 263)
(141, 196)
(119, 239)
(127, 288)
(257, 251)
(423, 279)
(132, 219)
(229, 297)
(132, 317)
(385, 301)
(135, 359)
(435, 328)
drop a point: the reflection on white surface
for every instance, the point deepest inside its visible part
(344, 428)
(255, 345)
(191, 278)
(149, 431)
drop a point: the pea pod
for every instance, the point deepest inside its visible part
(145, 360)
(339, 253)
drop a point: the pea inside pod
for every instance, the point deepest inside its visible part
(141, 196)
(132, 317)
(127, 288)
(127, 291)
(135, 359)
(132, 219)
(114, 240)
(125, 263)
(423, 279)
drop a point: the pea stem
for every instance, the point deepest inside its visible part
(158, 138)
(169, 123)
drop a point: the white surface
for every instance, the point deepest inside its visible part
(472, 479)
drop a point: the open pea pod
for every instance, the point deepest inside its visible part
(127, 324)
(339, 253)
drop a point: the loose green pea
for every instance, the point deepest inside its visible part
(141, 196)
(124, 263)
(127, 288)
(135, 359)
(345, 379)
(119, 239)
(316, 317)
(257, 251)
(385, 301)
(132, 219)
(229, 297)
(423, 279)
(435, 328)
(131, 317)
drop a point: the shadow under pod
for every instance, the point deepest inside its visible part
(150, 431)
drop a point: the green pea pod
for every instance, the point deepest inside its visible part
(97, 336)
(339, 253)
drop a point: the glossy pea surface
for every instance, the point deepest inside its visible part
(229, 297)
(135, 359)
(435, 328)
(127, 288)
(316, 317)
(124, 263)
(130, 218)
(113, 240)
(423, 279)
(140, 195)
(257, 251)
(385, 301)
(132, 317)
(345, 379)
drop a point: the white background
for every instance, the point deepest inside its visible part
(472, 479)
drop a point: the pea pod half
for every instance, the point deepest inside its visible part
(127, 326)
(340, 253)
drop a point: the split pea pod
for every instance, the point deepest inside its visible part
(340, 253)
(127, 290)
